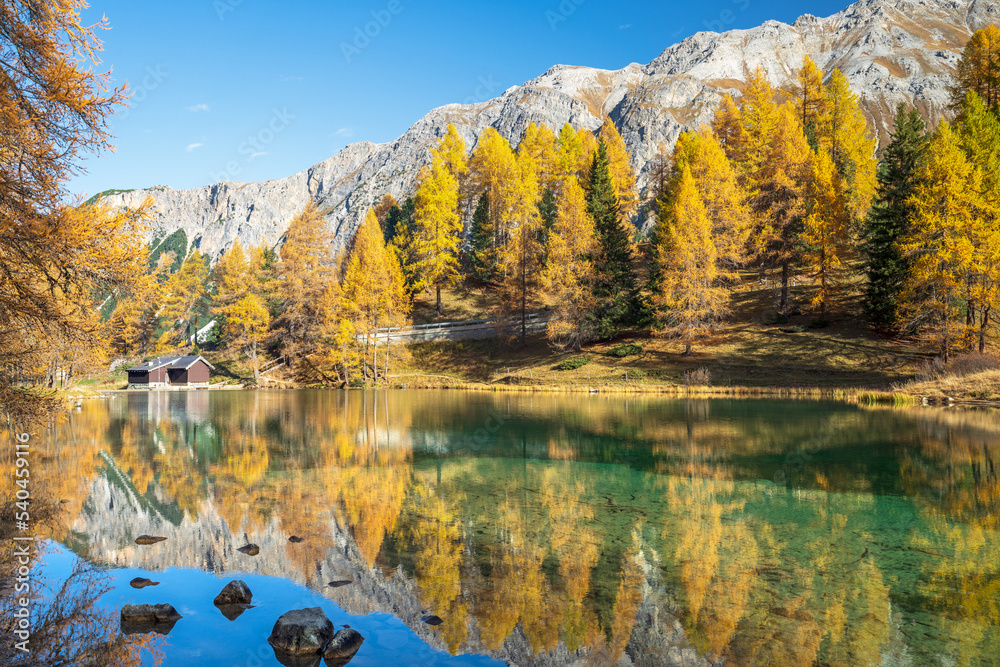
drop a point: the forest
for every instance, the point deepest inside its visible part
(782, 186)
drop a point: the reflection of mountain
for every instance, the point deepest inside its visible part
(543, 531)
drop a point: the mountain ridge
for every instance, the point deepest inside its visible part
(890, 50)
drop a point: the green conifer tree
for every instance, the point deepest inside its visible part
(481, 242)
(615, 287)
(890, 217)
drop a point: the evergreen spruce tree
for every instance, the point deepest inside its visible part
(615, 286)
(890, 218)
(481, 241)
(548, 210)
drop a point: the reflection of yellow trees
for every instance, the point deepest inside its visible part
(573, 540)
(628, 598)
(69, 623)
(956, 467)
(435, 537)
(717, 561)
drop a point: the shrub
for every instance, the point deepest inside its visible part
(572, 364)
(635, 374)
(796, 329)
(625, 350)
(698, 377)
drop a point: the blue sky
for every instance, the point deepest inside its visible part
(249, 90)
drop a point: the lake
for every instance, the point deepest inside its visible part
(542, 529)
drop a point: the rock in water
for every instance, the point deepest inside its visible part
(143, 618)
(149, 539)
(431, 619)
(249, 549)
(339, 582)
(142, 582)
(301, 632)
(342, 648)
(235, 592)
(295, 539)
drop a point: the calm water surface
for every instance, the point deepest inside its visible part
(545, 529)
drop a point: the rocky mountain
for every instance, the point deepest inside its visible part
(891, 51)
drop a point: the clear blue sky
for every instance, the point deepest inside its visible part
(297, 79)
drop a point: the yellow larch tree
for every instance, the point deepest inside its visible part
(568, 277)
(724, 198)
(233, 279)
(542, 147)
(759, 119)
(812, 101)
(134, 321)
(437, 234)
(521, 255)
(727, 124)
(844, 132)
(451, 149)
(185, 293)
(588, 146)
(569, 152)
(979, 133)
(620, 166)
(825, 229)
(493, 170)
(306, 267)
(247, 325)
(947, 203)
(374, 293)
(781, 196)
(55, 257)
(979, 69)
(384, 206)
(689, 299)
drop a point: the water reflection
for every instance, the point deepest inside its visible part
(556, 527)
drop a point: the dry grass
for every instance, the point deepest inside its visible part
(967, 377)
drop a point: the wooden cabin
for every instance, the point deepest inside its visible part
(192, 371)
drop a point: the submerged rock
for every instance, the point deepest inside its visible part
(149, 539)
(235, 592)
(301, 632)
(431, 619)
(289, 660)
(143, 618)
(295, 539)
(249, 549)
(342, 647)
(142, 582)
(340, 582)
(233, 611)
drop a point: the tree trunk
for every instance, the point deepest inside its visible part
(440, 309)
(687, 348)
(984, 320)
(387, 341)
(783, 301)
(822, 284)
(253, 361)
(524, 299)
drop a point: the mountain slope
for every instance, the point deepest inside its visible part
(891, 51)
